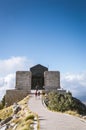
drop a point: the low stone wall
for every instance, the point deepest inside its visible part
(62, 91)
(50, 89)
(14, 96)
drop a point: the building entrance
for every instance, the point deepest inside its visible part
(37, 81)
(38, 76)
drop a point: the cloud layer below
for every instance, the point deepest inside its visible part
(76, 83)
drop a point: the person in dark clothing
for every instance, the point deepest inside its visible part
(36, 93)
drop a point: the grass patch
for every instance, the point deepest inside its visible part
(25, 116)
(6, 112)
(74, 113)
(29, 117)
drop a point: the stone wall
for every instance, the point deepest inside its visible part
(23, 80)
(52, 79)
(14, 96)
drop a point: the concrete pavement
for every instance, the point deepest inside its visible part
(53, 120)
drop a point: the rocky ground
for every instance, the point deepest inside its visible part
(19, 117)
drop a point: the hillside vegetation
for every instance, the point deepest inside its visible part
(22, 120)
(64, 102)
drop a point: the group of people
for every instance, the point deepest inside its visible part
(37, 93)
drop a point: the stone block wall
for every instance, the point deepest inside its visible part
(23, 80)
(14, 96)
(52, 79)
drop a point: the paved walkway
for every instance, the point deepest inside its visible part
(53, 120)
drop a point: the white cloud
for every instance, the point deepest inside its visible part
(13, 64)
(76, 83)
(8, 68)
(7, 82)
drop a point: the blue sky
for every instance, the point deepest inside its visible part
(49, 32)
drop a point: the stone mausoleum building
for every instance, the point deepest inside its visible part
(28, 80)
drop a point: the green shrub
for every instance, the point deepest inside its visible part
(64, 102)
(2, 103)
(1, 106)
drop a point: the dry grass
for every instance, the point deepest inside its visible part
(74, 113)
(6, 112)
(25, 116)
(24, 125)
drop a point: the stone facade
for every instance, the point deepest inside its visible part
(38, 75)
(23, 80)
(52, 79)
(27, 80)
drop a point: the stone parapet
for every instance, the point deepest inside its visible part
(50, 87)
(14, 96)
(55, 90)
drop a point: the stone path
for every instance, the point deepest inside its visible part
(55, 121)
